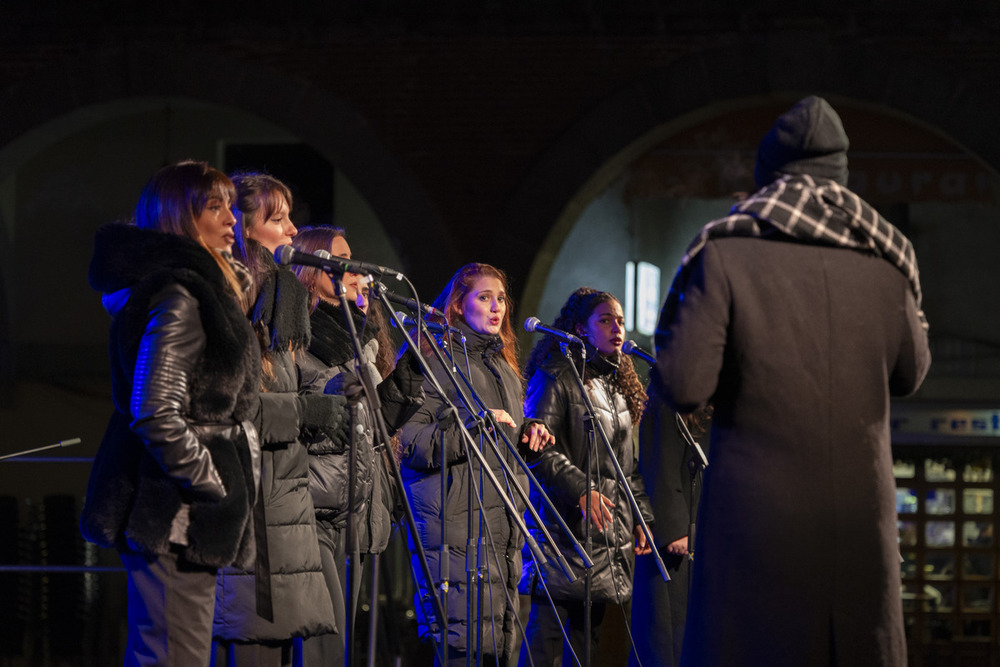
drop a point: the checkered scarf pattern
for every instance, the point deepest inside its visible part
(812, 210)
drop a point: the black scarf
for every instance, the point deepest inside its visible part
(331, 341)
(281, 308)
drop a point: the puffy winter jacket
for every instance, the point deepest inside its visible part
(553, 396)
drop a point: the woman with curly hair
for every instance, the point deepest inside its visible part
(554, 396)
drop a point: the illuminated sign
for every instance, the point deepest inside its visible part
(972, 423)
(642, 297)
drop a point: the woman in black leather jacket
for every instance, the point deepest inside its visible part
(475, 301)
(553, 395)
(173, 482)
(262, 613)
(324, 367)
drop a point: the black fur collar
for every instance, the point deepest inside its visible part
(125, 254)
(331, 343)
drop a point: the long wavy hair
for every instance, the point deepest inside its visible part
(311, 239)
(176, 195)
(574, 315)
(461, 284)
(258, 197)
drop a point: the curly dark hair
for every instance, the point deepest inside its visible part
(576, 311)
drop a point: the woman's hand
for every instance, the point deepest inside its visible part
(502, 417)
(678, 547)
(641, 545)
(600, 508)
(537, 437)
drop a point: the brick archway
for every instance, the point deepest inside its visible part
(321, 119)
(600, 144)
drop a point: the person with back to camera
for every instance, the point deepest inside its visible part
(173, 482)
(476, 302)
(328, 365)
(553, 396)
(797, 316)
(262, 613)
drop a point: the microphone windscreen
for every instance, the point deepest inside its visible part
(283, 255)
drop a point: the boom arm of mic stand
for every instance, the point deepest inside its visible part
(471, 444)
(366, 384)
(618, 471)
(702, 460)
(61, 443)
(560, 557)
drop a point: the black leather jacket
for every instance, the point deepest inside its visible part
(185, 377)
(553, 396)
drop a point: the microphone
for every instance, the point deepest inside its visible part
(363, 281)
(533, 325)
(433, 326)
(629, 347)
(412, 304)
(286, 255)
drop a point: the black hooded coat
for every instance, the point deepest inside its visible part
(799, 346)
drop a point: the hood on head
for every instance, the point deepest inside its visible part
(808, 139)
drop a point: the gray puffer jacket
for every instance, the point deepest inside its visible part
(499, 386)
(292, 573)
(331, 355)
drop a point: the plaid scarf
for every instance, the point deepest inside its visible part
(808, 209)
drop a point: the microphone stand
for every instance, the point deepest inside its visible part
(383, 432)
(474, 454)
(471, 449)
(696, 464)
(483, 412)
(61, 443)
(622, 480)
(490, 437)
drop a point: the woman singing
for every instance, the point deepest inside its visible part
(476, 302)
(262, 611)
(329, 365)
(174, 480)
(553, 395)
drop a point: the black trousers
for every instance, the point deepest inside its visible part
(544, 639)
(659, 609)
(170, 608)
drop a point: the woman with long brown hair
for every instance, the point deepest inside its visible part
(327, 366)
(476, 302)
(263, 613)
(173, 482)
(553, 395)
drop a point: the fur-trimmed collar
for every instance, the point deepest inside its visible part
(125, 255)
(331, 342)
